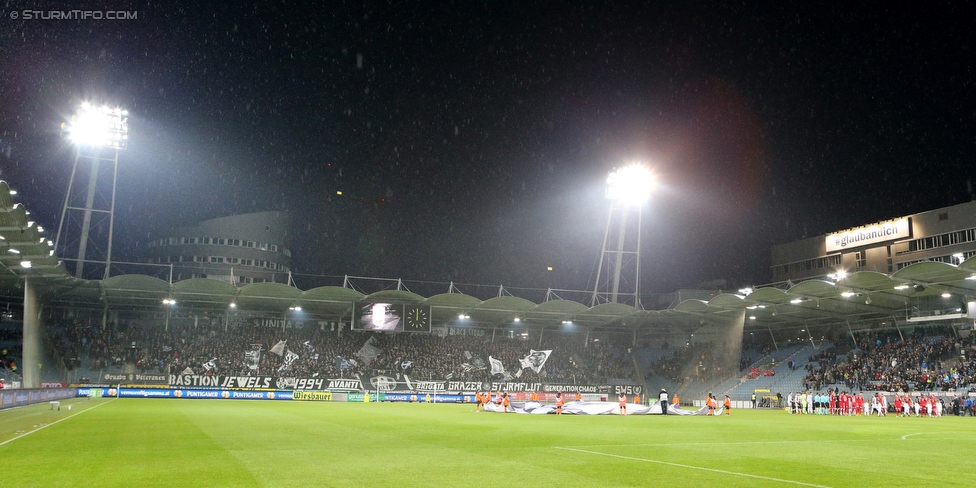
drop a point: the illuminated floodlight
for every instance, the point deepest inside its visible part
(13, 251)
(903, 287)
(848, 294)
(464, 316)
(99, 127)
(946, 295)
(13, 192)
(837, 276)
(796, 301)
(233, 305)
(630, 185)
(25, 264)
(169, 301)
(517, 320)
(752, 317)
(746, 291)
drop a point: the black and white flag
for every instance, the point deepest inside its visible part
(535, 360)
(496, 366)
(253, 357)
(368, 352)
(290, 358)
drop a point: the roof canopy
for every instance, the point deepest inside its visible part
(859, 300)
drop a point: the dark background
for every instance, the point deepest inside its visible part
(471, 140)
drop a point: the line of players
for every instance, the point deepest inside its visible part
(851, 404)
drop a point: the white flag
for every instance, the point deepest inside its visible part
(278, 348)
(496, 366)
(368, 352)
(535, 360)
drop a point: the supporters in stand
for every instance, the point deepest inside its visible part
(214, 350)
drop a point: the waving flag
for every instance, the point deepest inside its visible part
(496, 366)
(368, 352)
(535, 360)
(290, 358)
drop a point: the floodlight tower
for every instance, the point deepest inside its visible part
(627, 189)
(98, 134)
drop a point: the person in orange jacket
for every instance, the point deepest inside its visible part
(559, 403)
(578, 396)
(505, 402)
(477, 401)
(622, 401)
(711, 404)
(728, 405)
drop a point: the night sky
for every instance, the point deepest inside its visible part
(471, 140)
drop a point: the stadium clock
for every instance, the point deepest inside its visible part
(417, 319)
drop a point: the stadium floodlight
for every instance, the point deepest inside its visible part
(627, 188)
(630, 185)
(99, 126)
(25, 264)
(98, 133)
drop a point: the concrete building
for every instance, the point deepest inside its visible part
(240, 249)
(945, 235)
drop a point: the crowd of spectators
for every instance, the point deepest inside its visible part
(928, 360)
(932, 359)
(701, 362)
(210, 350)
(11, 344)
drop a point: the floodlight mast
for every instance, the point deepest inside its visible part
(92, 129)
(627, 189)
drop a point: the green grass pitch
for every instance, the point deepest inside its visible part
(169, 442)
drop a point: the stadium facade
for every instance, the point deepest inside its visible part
(946, 235)
(239, 249)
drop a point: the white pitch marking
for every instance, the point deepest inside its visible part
(666, 463)
(52, 423)
(682, 444)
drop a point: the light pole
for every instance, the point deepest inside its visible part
(92, 130)
(627, 189)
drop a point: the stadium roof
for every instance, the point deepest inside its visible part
(864, 299)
